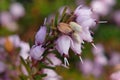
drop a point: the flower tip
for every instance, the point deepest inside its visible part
(81, 59)
(66, 63)
(94, 45)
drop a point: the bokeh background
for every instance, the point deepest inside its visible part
(32, 16)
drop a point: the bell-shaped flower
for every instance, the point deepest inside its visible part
(63, 45)
(76, 47)
(54, 60)
(36, 52)
(86, 35)
(40, 35)
(82, 11)
(84, 16)
(51, 75)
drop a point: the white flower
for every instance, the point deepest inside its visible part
(36, 52)
(115, 76)
(17, 10)
(40, 35)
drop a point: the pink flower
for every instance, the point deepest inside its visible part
(99, 7)
(51, 75)
(84, 16)
(86, 35)
(40, 35)
(116, 17)
(55, 61)
(36, 52)
(87, 67)
(17, 10)
(115, 76)
(114, 58)
(99, 50)
(63, 45)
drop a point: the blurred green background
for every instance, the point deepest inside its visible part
(37, 10)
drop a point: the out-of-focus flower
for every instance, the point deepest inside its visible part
(109, 2)
(51, 75)
(97, 70)
(40, 35)
(87, 67)
(99, 7)
(101, 60)
(99, 50)
(25, 48)
(61, 10)
(17, 10)
(2, 67)
(8, 22)
(116, 17)
(55, 61)
(36, 52)
(114, 59)
(15, 40)
(115, 76)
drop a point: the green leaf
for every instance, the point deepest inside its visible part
(39, 77)
(26, 65)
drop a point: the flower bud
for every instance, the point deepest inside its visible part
(76, 37)
(76, 27)
(36, 52)
(40, 35)
(64, 28)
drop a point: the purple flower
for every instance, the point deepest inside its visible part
(40, 35)
(55, 61)
(63, 45)
(36, 52)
